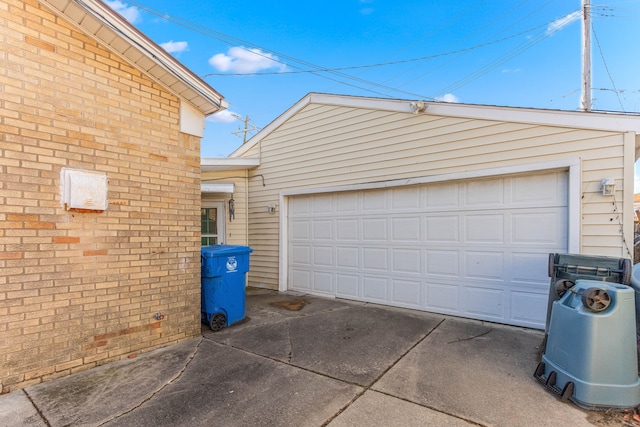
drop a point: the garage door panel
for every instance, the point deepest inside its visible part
(347, 285)
(375, 289)
(407, 261)
(301, 255)
(374, 229)
(348, 257)
(323, 256)
(484, 193)
(528, 308)
(323, 283)
(484, 228)
(539, 190)
(442, 229)
(323, 203)
(347, 229)
(542, 227)
(300, 230)
(484, 265)
(322, 229)
(300, 279)
(526, 267)
(475, 249)
(346, 203)
(406, 293)
(442, 196)
(484, 302)
(373, 201)
(443, 297)
(405, 229)
(300, 206)
(406, 199)
(442, 263)
(375, 259)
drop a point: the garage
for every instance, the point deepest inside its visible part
(475, 248)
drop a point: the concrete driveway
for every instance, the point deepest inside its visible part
(309, 361)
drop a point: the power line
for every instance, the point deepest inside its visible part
(208, 32)
(606, 67)
(383, 64)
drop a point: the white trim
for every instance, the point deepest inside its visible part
(628, 210)
(573, 165)
(191, 120)
(284, 246)
(272, 126)
(216, 164)
(616, 122)
(217, 188)
(110, 29)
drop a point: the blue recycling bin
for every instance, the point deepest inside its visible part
(224, 268)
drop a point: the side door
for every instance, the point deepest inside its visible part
(212, 222)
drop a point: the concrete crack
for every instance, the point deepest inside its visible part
(470, 338)
(171, 381)
(290, 356)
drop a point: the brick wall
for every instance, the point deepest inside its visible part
(79, 289)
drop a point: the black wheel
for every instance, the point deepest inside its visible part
(552, 264)
(596, 299)
(562, 286)
(218, 321)
(626, 271)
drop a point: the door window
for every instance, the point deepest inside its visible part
(212, 223)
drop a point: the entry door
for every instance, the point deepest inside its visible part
(212, 223)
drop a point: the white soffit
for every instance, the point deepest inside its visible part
(217, 188)
(217, 164)
(110, 29)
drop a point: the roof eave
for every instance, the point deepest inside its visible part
(112, 30)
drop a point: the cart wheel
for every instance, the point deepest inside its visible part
(562, 286)
(552, 264)
(596, 299)
(626, 271)
(218, 321)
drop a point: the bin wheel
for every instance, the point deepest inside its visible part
(552, 264)
(562, 286)
(596, 299)
(218, 321)
(626, 271)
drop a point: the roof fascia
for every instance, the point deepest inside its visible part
(618, 122)
(119, 27)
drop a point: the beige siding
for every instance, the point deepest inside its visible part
(323, 146)
(236, 228)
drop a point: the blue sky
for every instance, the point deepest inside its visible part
(265, 56)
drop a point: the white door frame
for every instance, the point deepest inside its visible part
(221, 219)
(572, 165)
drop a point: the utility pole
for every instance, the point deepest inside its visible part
(248, 127)
(585, 101)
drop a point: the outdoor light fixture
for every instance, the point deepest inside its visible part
(418, 107)
(608, 186)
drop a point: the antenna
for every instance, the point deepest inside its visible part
(585, 101)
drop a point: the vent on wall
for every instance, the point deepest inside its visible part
(83, 190)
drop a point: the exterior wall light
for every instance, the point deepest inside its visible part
(608, 186)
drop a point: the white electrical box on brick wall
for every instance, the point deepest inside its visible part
(83, 190)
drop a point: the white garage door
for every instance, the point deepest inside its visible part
(476, 248)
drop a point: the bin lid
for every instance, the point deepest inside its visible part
(222, 250)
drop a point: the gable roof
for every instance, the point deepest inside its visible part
(620, 122)
(109, 28)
